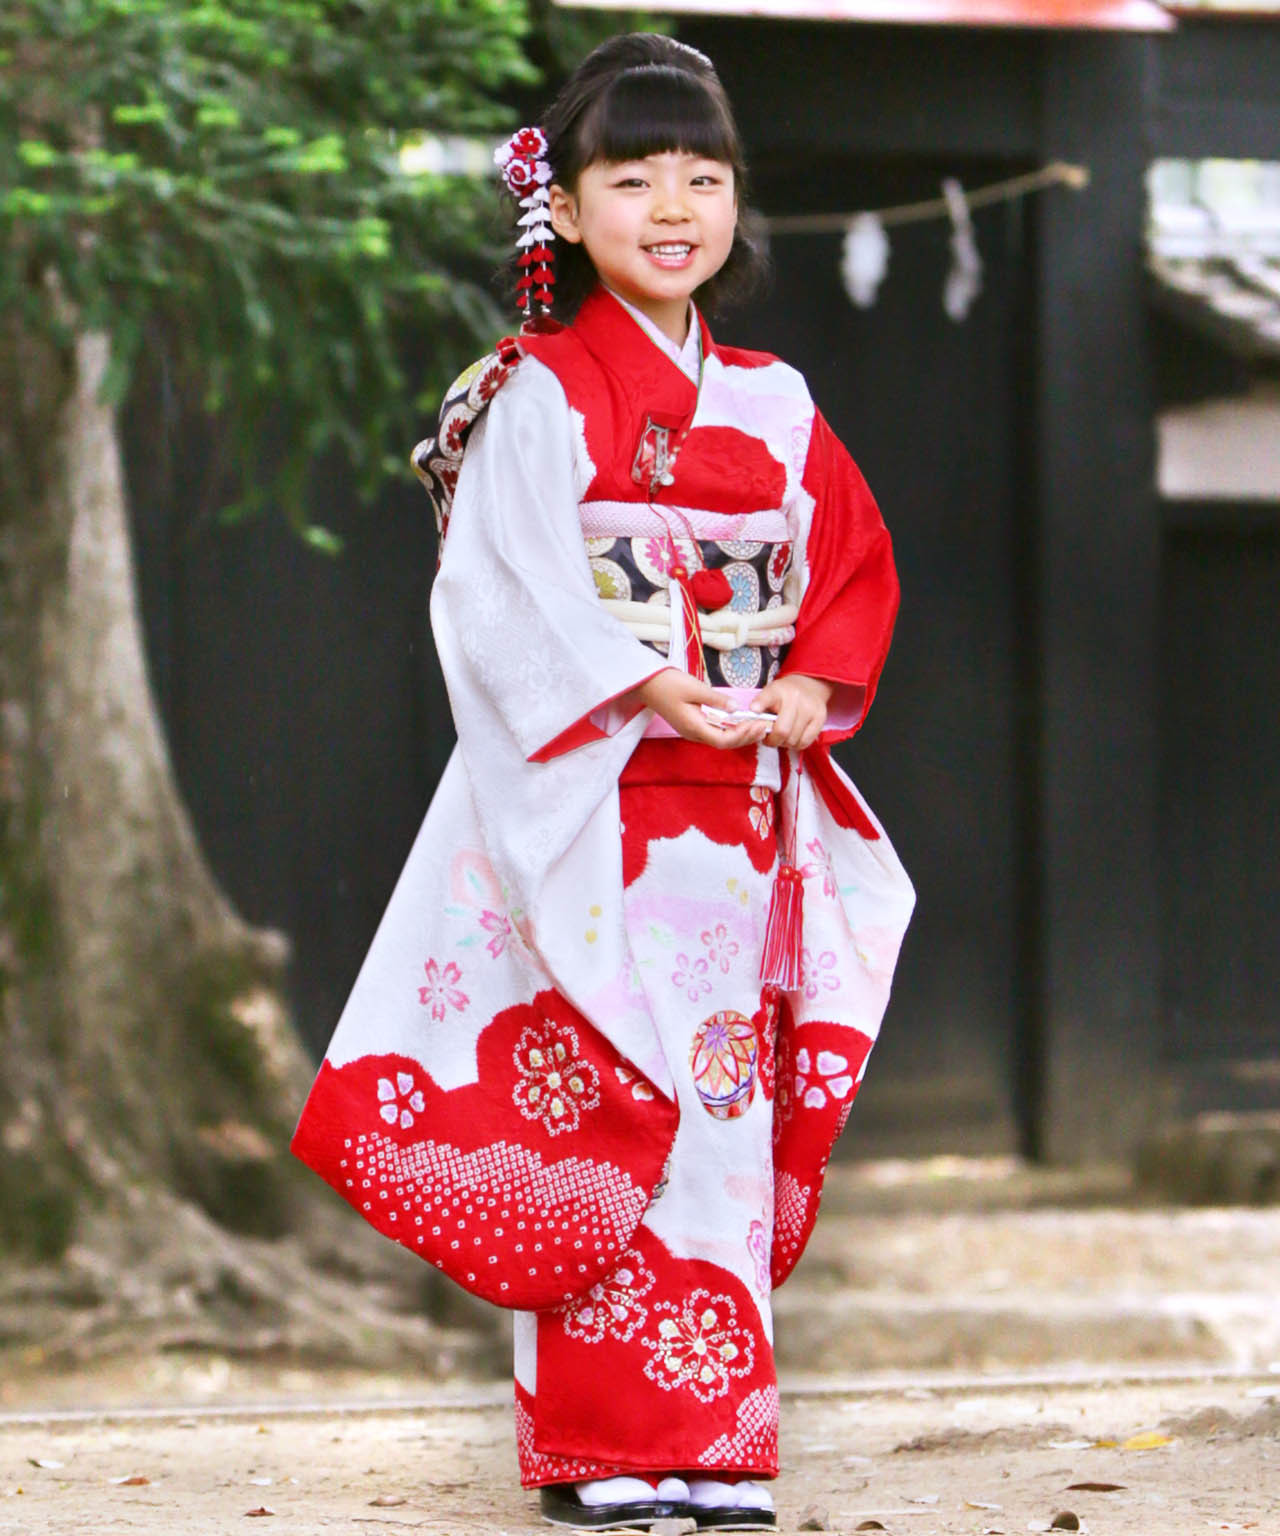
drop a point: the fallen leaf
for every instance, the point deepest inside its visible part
(130, 1480)
(1149, 1441)
(47, 1462)
(388, 1500)
(869, 1525)
(261, 1510)
(1065, 1520)
(1094, 1487)
(978, 1504)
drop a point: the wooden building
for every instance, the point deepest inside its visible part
(1075, 740)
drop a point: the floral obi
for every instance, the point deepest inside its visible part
(746, 612)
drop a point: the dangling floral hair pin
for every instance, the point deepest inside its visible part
(527, 173)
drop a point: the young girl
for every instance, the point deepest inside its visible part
(623, 995)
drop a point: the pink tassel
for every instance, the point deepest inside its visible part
(784, 931)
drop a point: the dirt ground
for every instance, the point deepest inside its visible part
(963, 1456)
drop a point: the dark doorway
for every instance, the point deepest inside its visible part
(931, 410)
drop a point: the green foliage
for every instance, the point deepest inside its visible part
(226, 175)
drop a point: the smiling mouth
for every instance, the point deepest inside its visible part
(674, 250)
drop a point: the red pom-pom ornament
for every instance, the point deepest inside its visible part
(711, 589)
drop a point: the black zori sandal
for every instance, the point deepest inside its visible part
(732, 1515)
(732, 1519)
(562, 1505)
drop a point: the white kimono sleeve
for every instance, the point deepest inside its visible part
(515, 610)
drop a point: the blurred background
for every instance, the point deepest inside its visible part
(1028, 257)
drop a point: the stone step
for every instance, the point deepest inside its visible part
(860, 1331)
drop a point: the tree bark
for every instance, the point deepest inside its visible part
(151, 1073)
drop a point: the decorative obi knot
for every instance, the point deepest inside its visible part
(744, 619)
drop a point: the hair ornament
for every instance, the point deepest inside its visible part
(527, 174)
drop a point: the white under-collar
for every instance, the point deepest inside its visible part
(687, 358)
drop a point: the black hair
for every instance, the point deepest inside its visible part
(641, 94)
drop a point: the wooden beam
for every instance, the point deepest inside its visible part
(1123, 15)
(1096, 974)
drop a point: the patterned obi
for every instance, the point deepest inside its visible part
(744, 641)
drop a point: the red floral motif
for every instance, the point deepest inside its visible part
(399, 1101)
(554, 1086)
(614, 1305)
(698, 1346)
(761, 813)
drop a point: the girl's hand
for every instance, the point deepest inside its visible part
(678, 698)
(800, 704)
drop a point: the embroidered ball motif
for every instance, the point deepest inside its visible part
(722, 1060)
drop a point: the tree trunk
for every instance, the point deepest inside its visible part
(151, 1075)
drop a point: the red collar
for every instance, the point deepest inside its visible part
(651, 376)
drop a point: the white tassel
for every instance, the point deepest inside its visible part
(865, 259)
(964, 280)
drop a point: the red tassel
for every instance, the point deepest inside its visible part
(695, 662)
(784, 931)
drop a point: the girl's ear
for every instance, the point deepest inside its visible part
(564, 213)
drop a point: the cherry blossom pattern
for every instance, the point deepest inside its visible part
(498, 926)
(817, 972)
(639, 1088)
(554, 1085)
(698, 1346)
(614, 1305)
(442, 991)
(721, 949)
(826, 1074)
(760, 814)
(400, 1100)
(822, 865)
(691, 976)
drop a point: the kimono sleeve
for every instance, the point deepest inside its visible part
(514, 609)
(850, 598)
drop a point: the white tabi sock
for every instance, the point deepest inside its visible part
(707, 1493)
(600, 1492)
(754, 1496)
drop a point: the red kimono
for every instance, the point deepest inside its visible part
(559, 1076)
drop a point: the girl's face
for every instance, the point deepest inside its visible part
(655, 229)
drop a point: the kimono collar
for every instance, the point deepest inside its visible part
(688, 358)
(645, 371)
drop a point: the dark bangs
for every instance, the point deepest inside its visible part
(640, 94)
(654, 110)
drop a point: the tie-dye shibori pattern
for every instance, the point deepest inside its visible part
(557, 1077)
